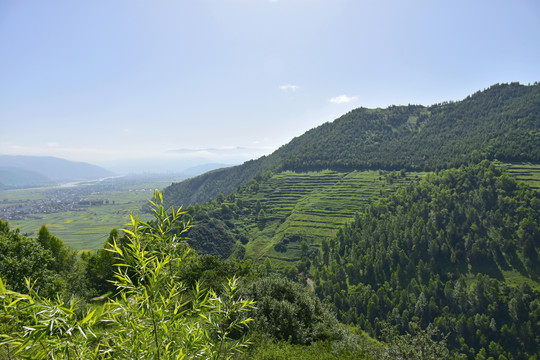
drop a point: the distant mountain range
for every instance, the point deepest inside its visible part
(501, 122)
(25, 171)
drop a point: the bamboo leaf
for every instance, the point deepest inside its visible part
(88, 317)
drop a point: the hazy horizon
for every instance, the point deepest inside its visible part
(182, 83)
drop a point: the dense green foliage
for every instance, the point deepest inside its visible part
(439, 252)
(419, 345)
(153, 315)
(22, 257)
(291, 312)
(54, 268)
(501, 123)
(213, 236)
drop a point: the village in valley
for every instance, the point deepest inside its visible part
(58, 200)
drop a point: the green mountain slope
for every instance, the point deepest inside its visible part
(273, 214)
(502, 122)
(465, 238)
(207, 186)
(459, 249)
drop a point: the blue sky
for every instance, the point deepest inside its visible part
(229, 80)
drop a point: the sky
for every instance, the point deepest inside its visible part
(163, 85)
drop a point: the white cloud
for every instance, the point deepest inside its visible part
(288, 87)
(342, 99)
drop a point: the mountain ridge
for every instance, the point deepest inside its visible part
(501, 122)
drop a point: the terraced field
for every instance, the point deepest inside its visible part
(528, 173)
(312, 207)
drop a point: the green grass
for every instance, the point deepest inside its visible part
(85, 230)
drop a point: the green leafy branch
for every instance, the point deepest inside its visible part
(153, 316)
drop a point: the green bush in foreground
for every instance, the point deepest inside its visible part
(291, 312)
(154, 315)
(419, 345)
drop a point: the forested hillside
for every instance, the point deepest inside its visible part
(500, 123)
(459, 249)
(207, 186)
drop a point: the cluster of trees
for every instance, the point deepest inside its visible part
(500, 122)
(437, 253)
(215, 231)
(221, 225)
(54, 268)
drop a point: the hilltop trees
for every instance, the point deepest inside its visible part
(498, 123)
(55, 246)
(45, 260)
(22, 257)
